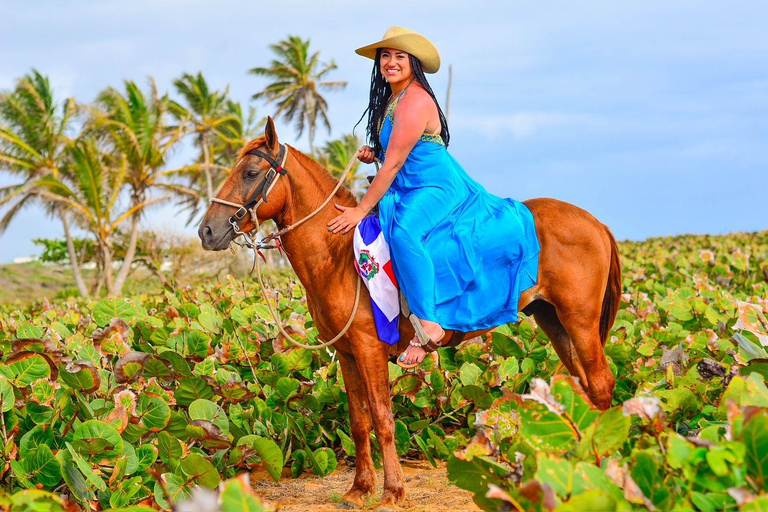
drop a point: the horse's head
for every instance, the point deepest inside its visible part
(252, 185)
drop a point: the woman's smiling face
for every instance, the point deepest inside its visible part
(395, 65)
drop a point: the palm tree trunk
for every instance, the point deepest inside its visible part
(81, 288)
(311, 138)
(207, 165)
(448, 94)
(129, 254)
(107, 251)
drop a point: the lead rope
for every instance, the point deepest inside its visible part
(257, 268)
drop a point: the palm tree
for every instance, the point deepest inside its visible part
(297, 78)
(136, 128)
(91, 191)
(33, 139)
(335, 156)
(209, 116)
(235, 135)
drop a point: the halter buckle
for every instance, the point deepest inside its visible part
(240, 213)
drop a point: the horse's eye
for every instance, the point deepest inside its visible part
(251, 173)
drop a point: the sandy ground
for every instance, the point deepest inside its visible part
(426, 489)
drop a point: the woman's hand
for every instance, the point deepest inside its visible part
(366, 155)
(349, 218)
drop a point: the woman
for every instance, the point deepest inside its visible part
(461, 255)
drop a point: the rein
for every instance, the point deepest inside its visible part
(258, 197)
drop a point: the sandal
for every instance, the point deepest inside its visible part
(424, 341)
(428, 348)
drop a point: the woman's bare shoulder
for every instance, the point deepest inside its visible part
(417, 99)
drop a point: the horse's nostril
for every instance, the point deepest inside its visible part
(205, 233)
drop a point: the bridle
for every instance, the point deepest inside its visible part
(256, 199)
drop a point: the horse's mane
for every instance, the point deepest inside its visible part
(319, 171)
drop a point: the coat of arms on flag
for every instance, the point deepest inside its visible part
(367, 265)
(372, 260)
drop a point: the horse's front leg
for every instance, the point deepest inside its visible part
(372, 363)
(360, 422)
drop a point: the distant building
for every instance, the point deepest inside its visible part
(26, 259)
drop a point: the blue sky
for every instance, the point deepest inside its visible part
(653, 116)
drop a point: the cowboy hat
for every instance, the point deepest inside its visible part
(408, 41)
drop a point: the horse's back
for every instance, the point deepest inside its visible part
(559, 222)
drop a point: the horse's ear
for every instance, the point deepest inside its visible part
(271, 134)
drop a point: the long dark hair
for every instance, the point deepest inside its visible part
(379, 97)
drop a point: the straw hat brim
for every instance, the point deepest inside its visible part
(413, 43)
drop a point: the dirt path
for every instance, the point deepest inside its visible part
(426, 489)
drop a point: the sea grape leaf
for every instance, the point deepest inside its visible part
(169, 449)
(478, 395)
(7, 400)
(81, 375)
(407, 384)
(27, 367)
(590, 500)
(268, 451)
(606, 435)
(505, 346)
(191, 389)
(178, 490)
(200, 470)
(425, 450)
(197, 344)
(79, 487)
(755, 436)
(42, 467)
(86, 469)
(646, 473)
(402, 438)
(299, 463)
(99, 441)
(286, 387)
(130, 367)
(347, 444)
(437, 381)
(469, 374)
(37, 436)
(107, 309)
(153, 412)
(475, 476)
(556, 472)
(323, 461)
(126, 489)
(209, 319)
(209, 434)
(237, 496)
(202, 409)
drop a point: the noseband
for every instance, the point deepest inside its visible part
(259, 195)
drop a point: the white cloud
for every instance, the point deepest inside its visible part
(521, 125)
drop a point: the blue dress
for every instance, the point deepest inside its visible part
(461, 255)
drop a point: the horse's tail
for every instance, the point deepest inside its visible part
(612, 295)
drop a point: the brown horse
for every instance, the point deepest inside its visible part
(575, 300)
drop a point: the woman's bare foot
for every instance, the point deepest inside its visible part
(412, 356)
(433, 330)
(415, 354)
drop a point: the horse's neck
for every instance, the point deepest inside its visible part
(315, 254)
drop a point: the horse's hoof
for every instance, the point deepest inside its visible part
(388, 501)
(352, 500)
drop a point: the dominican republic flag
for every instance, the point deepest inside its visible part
(373, 264)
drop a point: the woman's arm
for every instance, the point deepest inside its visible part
(413, 113)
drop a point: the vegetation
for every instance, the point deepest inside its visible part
(99, 167)
(138, 401)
